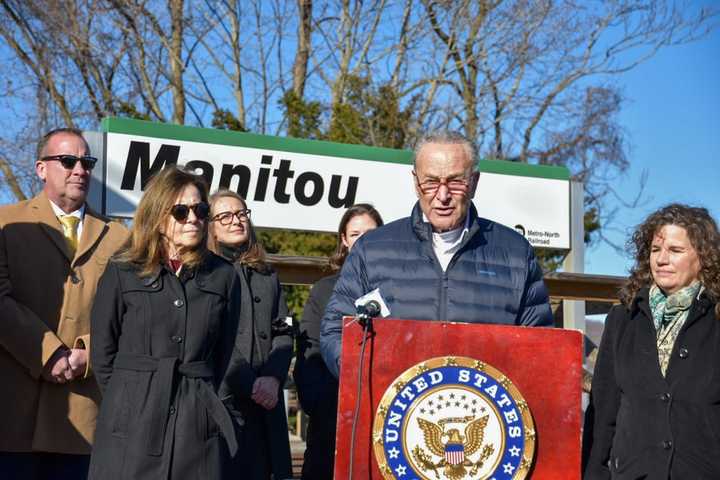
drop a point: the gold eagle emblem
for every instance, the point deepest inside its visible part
(454, 453)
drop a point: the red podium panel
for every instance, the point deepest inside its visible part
(543, 364)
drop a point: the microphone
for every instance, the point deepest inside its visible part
(367, 311)
(371, 309)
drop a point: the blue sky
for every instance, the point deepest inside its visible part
(672, 117)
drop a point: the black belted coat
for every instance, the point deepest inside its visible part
(265, 338)
(160, 346)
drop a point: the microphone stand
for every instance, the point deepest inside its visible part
(364, 316)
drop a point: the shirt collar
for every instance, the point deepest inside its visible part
(79, 213)
(451, 238)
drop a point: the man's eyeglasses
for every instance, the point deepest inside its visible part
(180, 212)
(457, 185)
(226, 218)
(69, 161)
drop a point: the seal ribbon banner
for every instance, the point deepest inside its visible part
(452, 418)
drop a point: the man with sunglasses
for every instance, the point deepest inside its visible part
(443, 262)
(53, 249)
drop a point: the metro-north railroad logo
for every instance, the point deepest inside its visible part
(452, 418)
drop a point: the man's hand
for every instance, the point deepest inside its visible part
(57, 369)
(265, 392)
(78, 361)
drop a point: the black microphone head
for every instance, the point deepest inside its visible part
(372, 308)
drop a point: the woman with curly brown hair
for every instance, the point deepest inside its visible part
(655, 400)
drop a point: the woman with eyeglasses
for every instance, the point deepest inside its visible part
(263, 337)
(317, 387)
(163, 327)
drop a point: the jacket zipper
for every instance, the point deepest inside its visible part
(443, 297)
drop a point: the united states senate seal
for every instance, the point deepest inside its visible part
(452, 418)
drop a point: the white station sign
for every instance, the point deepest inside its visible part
(306, 184)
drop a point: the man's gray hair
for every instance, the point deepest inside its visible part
(449, 137)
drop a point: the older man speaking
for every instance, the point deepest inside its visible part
(443, 262)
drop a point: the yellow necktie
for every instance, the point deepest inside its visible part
(70, 227)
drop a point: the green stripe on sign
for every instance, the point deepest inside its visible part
(252, 140)
(505, 167)
(310, 147)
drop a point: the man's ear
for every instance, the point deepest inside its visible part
(418, 193)
(474, 179)
(41, 170)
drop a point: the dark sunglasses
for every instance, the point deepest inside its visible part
(180, 212)
(69, 161)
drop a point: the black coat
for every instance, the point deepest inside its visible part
(641, 425)
(160, 346)
(264, 337)
(317, 387)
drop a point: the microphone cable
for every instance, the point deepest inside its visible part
(365, 314)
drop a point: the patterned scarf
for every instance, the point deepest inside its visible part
(669, 315)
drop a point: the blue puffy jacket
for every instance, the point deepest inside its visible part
(492, 278)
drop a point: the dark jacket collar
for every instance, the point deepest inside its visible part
(229, 252)
(233, 254)
(641, 302)
(201, 272)
(149, 280)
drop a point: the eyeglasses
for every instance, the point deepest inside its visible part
(226, 218)
(180, 212)
(69, 161)
(457, 185)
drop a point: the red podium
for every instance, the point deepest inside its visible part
(453, 401)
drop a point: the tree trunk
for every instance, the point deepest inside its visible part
(11, 180)
(176, 63)
(303, 49)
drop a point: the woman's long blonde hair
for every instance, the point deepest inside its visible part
(146, 245)
(254, 255)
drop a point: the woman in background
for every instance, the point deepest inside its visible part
(263, 336)
(163, 325)
(655, 398)
(317, 388)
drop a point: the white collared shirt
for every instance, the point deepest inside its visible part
(79, 213)
(445, 244)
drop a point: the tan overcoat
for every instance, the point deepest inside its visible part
(45, 302)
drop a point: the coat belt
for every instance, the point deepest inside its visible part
(164, 370)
